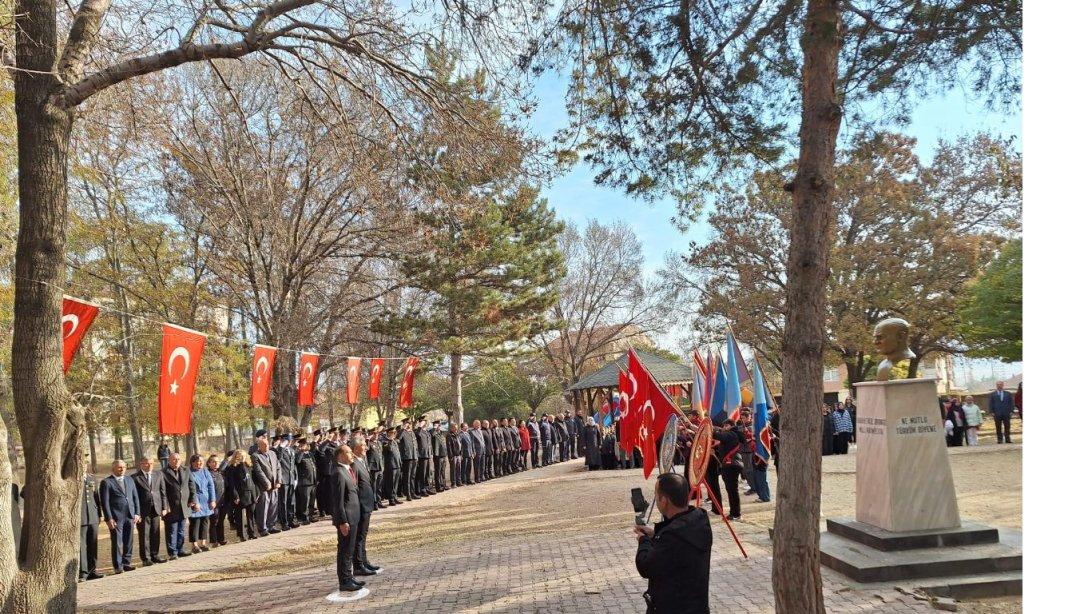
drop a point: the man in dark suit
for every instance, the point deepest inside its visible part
(425, 469)
(391, 475)
(151, 491)
(121, 509)
(545, 441)
(441, 463)
(266, 476)
(288, 479)
(1001, 405)
(489, 450)
(90, 514)
(376, 464)
(409, 457)
(180, 499)
(534, 440)
(306, 472)
(468, 454)
(361, 565)
(345, 517)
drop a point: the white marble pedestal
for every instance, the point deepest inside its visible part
(904, 479)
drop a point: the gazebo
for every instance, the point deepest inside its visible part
(673, 376)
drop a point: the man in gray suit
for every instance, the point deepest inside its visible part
(441, 462)
(266, 476)
(121, 509)
(479, 449)
(90, 514)
(180, 499)
(1001, 405)
(286, 456)
(468, 455)
(425, 471)
(151, 490)
(409, 455)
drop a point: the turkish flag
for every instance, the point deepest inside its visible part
(307, 374)
(76, 317)
(264, 359)
(651, 395)
(628, 428)
(354, 365)
(376, 365)
(646, 441)
(181, 352)
(404, 399)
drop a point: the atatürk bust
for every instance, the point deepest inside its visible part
(891, 337)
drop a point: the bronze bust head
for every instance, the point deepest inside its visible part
(891, 338)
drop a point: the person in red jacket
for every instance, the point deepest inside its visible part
(526, 444)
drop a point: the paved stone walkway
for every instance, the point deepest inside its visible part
(537, 565)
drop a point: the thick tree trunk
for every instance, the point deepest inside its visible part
(284, 392)
(127, 358)
(798, 586)
(456, 380)
(912, 367)
(51, 425)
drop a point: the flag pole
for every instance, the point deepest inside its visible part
(718, 508)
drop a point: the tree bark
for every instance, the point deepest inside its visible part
(456, 381)
(798, 586)
(52, 426)
(127, 358)
(912, 368)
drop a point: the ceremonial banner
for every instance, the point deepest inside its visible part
(354, 365)
(264, 359)
(76, 317)
(667, 459)
(404, 399)
(180, 361)
(700, 453)
(733, 397)
(628, 427)
(650, 392)
(761, 419)
(717, 397)
(376, 377)
(307, 376)
(646, 440)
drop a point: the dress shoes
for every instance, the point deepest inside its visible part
(379, 505)
(128, 568)
(351, 587)
(374, 568)
(183, 553)
(363, 571)
(94, 575)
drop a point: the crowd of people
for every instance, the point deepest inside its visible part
(286, 480)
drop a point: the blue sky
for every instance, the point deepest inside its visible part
(577, 199)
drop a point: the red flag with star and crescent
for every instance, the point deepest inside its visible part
(181, 352)
(76, 317)
(307, 375)
(646, 441)
(376, 365)
(354, 365)
(264, 359)
(628, 428)
(404, 399)
(651, 394)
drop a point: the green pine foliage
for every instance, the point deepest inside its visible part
(993, 314)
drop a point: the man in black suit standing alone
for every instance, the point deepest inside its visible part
(180, 498)
(121, 509)
(1001, 404)
(151, 491)
(361, 565)
(409, 457)
(345, 517)
(90, 514)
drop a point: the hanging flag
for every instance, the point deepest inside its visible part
(711, 377)
(354, 365)
(761, 422)
(646, 441)
(307, 376)
(603, 414)
(76, 317)
(404, 399)
(264, 359)
(733, 399)
(626, 429)
(652, 395)
(376, 377)
(717, 398)
(180, 361)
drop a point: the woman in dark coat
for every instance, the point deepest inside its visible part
(829, 433)
(608, 450)
(954, 411)
(242, 493)
(592, 436)
(217, 529)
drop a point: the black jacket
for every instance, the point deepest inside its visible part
(151, 490)
(345, 499)
(364, 484)
(306, 469)
(423, 438)
(180, 492)
(676, 561)
(240, 484)
(391, 452)
(90, 508)
(408, 445)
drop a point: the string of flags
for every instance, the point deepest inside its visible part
(183, 348)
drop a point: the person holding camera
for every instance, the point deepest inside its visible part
(674, 554)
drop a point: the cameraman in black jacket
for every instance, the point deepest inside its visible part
(674, 555)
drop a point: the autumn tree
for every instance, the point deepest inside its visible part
(60, 59)
(992, 309)
(605, 304)
(677, 98)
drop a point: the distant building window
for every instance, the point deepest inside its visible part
(831, 375)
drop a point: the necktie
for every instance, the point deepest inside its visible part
(351, 471)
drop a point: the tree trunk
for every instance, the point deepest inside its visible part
(912, 368)
(127, 359)
(285, 394)
(93, 467)
(796, 579)
(51, 425)
(456, 377)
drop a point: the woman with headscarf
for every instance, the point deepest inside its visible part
(592, 436)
